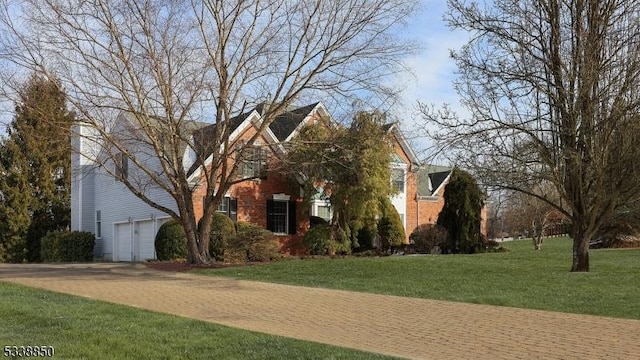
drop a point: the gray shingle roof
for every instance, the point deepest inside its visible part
(433, 175)
(203, 137)
(285, 123)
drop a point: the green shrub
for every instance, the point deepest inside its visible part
(13, 248)
(65, 246)
(317, 239)
(367, 237)
(427, 236)
(252, 243)
(171, 241)
(222, 230)
(390, 227)
(490, 246)
(77, 246)
(319, 242)
(50, 246)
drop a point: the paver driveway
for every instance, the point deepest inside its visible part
(406, 327)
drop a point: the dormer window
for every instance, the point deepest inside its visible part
(121, 163)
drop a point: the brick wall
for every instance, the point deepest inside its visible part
(252, 196)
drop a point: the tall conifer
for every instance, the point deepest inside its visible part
(35, 161)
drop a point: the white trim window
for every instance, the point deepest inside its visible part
(228, 206)
(322, 209)
(398, 180)
(281, 215)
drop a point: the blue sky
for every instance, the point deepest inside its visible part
(432, 68)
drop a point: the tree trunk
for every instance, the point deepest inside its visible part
(537, 241)
(195, 255)
(580, 254)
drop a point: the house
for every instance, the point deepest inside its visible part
(125, 226)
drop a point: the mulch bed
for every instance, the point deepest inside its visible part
(183, 266)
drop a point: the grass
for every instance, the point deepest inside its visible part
(79, 328)
(521, 277)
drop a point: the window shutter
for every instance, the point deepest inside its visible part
(293, 226)
(269, 215)
(233, 209)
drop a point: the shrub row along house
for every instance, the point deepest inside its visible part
(125, 226)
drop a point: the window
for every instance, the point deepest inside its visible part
(397, 179)
(98, 224)
(281, 216)
(121, 166)
(229, 207)
(253, 162)
(324, 212)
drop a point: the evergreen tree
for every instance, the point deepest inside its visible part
(390, 227)
(461, 214)
(35, 161)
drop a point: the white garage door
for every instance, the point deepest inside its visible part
(144, 248)
(123, 242)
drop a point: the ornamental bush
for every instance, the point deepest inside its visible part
(77, 246)
(171, 241)
(427, 236)
(390, 227)
(317, 239)
(67, 246)
(252, 243)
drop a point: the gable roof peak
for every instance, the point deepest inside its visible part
(286, 123)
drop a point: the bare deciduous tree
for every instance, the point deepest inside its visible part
(533, 215)
(552, 87)
(169, 65)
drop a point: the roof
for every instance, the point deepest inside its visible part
(285, 123)
(203, 137)
(402, 141)
(431, 178)
(387, 127)
(281, 128)
(187, 127)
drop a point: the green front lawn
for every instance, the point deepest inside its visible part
(521, 277)
(78, 328)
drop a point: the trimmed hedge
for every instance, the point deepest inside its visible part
(66, 246)
(171, 241)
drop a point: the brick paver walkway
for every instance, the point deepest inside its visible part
(405, 327)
